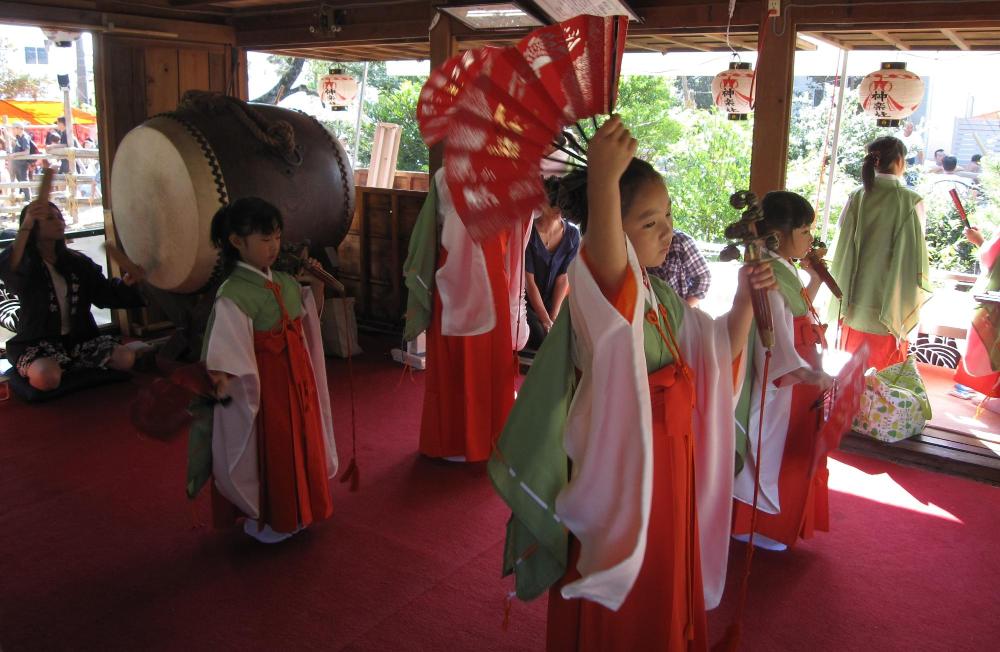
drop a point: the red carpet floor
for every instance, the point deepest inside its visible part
(97, 550)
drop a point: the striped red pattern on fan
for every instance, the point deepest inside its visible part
(443, 87)
(498, 111)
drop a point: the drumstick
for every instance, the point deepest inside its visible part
(961, 209)
(45, 187)
(123, 261)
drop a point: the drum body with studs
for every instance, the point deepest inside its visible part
(173, 172)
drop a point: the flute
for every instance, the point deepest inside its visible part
(961, 209)
(815, 258)
(317, 270)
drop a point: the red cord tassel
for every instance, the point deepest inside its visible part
(508, 603)
(731, 640)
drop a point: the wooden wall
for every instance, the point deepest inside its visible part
(138, 79)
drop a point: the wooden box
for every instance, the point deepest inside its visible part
(372, 254)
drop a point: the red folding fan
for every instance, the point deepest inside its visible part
(841, 403)
(443, 87)
(161, 411)
(503, 109)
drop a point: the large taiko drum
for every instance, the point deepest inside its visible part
(173, 172)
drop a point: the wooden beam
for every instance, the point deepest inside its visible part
(971, 13)
(956, 39)
(443, 47)
(829, 41)
(682, 44)
(772, 109)
(891, 40)
(733, 40)
(115, 23)
(644, 46)
(802, 44)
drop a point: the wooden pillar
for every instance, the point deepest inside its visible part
(772, 110)
(443, 47)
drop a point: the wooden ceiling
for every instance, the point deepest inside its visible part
(398, 29)
(956, 38)
(709, 42)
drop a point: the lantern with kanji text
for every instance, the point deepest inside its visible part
(891, 93)
(732, 90)
(337, 89)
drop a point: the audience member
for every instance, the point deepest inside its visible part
(553, 244)
(22, 144)
(56, 287)
(685, 269)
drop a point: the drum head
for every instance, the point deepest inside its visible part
(164, 194)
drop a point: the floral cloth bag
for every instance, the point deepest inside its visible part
(894, 405)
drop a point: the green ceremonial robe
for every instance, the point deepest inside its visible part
(880, 260)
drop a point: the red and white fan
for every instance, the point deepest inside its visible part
(500, 111)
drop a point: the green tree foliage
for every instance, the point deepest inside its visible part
(704, 157)
(809, 147)
(947, 247)
(397, 107)
(645, 103)
(709, 162)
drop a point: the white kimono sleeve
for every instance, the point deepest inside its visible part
(777, 409)
(314, 344)
(607, 502)
(234, 427)
(609, 439)
(462, 282)
(704, 343)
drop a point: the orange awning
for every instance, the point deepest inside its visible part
(42, 113)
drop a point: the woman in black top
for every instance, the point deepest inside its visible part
(552, 246)
(56, 287)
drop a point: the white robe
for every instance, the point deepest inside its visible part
(777, 408)
(463, 282)
(607, 502)
(234, 427)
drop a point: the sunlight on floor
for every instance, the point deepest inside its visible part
(881, 488)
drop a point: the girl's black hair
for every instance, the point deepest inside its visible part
(552, 185)
(785, 211)
(33, 236)
(572, 195)
(882, 155)
(242, 217)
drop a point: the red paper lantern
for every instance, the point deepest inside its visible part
(732, 90)
(337, 90)
(891, 93)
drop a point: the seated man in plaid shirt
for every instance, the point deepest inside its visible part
(685, 269)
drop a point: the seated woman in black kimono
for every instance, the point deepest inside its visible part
(56, 287)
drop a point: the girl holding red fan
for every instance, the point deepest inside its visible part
(469, 298)
(617, 458)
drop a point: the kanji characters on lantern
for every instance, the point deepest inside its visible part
(732, 90)
(337, 89)
(891, 93)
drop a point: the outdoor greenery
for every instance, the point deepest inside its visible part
(703, 156)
